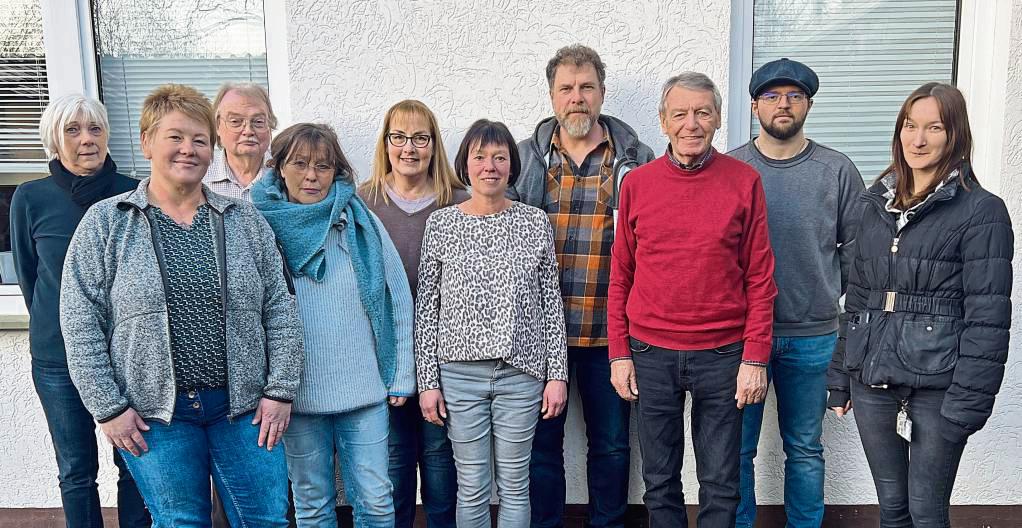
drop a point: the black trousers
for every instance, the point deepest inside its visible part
(710, 379)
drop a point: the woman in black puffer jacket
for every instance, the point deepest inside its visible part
(928, 311)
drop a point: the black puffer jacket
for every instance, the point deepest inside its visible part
(945, 326)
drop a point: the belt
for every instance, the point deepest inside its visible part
(889, 301)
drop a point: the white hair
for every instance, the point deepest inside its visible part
(691, 81)
(64, 110)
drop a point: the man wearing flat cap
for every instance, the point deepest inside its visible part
(812, 206)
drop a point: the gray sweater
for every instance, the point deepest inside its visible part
(113, 310)
(813, 207)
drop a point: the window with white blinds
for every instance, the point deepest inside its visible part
(145, 43)
(869, 55)
(23, 88)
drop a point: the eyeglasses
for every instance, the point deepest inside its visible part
(772, 98)
(399, 140)
(237, 124)
(303, 166)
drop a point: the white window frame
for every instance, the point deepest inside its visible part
(980, 51)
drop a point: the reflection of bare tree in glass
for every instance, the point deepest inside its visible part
(178, 28)
(21, 28)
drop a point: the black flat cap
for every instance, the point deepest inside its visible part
(784, 71)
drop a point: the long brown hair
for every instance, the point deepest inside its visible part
(444, 179)
(957, 154)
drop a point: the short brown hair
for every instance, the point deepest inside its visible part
(169, 98)
(312, 136)
(957, 153)
(578, 55)
(483, 133)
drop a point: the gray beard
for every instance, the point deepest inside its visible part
(577, 128)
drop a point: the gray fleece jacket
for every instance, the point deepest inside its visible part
(535, 155)
(113, 310)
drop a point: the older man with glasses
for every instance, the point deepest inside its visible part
(244, 123)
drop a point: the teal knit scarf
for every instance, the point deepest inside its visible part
(302, 231)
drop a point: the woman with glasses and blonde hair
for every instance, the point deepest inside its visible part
(182, 335)
(44, 214)
(928, 311)
(356, 310)
(410, 179)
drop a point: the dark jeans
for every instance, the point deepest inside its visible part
(606, 417)
(416, 442)
(73, 432)
(914, 494)
(710, 376)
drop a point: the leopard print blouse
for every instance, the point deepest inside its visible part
(488, 289)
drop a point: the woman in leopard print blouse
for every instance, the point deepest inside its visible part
(489, 329)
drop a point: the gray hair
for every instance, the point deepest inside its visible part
(577, 55)
(247, 89)
(691, 81)
(64, 110)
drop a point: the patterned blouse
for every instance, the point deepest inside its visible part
(194, 306)
(488, 289)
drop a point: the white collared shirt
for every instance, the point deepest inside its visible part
(221, 179)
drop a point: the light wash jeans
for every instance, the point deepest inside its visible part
(173, 476)
(359, 438)
(798, 371)
(492, 410)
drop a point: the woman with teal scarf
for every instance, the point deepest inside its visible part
(356, 308)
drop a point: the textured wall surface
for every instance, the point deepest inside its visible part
(350, 60)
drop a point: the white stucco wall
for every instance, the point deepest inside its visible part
(466, 59)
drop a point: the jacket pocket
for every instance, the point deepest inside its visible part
(928, 347)
(856, 345)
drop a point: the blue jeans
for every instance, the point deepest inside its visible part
(201, 442)
(608, 460)
(73, 432)
(492, 410)
(798, 371)
(711, 378)
(359, 439)
(414, 441)
(913, 479)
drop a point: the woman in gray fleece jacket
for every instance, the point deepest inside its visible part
(182, 335)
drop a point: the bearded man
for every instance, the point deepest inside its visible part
(568, 171)
(812, 206)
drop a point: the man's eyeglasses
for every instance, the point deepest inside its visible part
(772, 98)
(303, 166)
(237, 124)
(399, 140)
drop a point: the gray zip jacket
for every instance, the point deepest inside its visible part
(113, 310)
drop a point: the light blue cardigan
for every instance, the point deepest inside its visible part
(342, 368)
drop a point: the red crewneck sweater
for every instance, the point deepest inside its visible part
(691, 266)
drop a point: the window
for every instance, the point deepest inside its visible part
(142, 44)
(23, 90)
(23, 97)
(869, 54)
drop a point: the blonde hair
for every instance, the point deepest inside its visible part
(444, 179)
(169, 98)
(64, 110)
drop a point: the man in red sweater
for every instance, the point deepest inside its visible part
(690, 305)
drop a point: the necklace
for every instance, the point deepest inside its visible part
(420, 191)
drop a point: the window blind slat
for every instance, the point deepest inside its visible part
(869, 55)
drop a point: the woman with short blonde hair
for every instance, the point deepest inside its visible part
(182, 333)
(44, 214)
